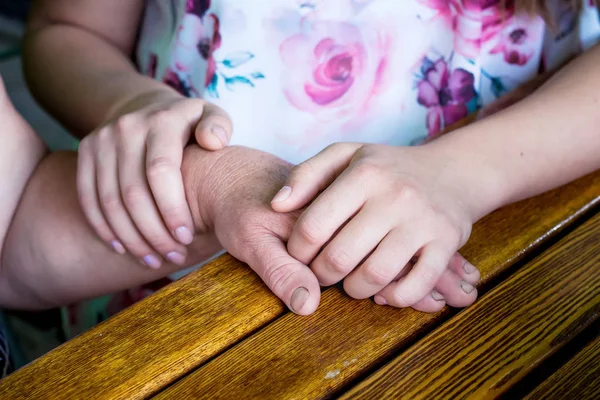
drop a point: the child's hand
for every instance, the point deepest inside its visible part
(385, 205)
(129, 173)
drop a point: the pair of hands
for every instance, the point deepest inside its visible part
(389, 221)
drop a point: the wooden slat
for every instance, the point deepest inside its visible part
(313, 357)
(153, 342)
(489, 347)
(579, 378)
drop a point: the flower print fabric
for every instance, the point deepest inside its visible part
(298, 75)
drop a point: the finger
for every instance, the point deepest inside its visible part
(317, 224)
(113, 208)
(139, 201)
(88, 197)
(163, 170)
(289, 279)
(215, 128)
(431, 303)
(421, 280)
(312, 176)
(390, 261)
(464, 269)
(456, 291)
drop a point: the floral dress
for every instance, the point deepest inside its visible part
(298, 75)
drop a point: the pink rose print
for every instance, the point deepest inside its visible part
(333, 70)
(518, 41)
(445, 94)
(198, 36)
(474, 22)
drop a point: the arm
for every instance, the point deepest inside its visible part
(51, 255)
(548, 139)
(77, 59)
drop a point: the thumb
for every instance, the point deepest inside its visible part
(290, 280)
(313, 175)
(214, 129)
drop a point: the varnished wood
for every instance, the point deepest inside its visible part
(486, 349)
(315, 356)
(153, 342)
(159, 340)
(579, 378)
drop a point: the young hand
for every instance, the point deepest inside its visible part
(129, 173)
(381, 207)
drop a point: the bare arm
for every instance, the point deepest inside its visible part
(546, 140)
(51, 255)
(77, 59)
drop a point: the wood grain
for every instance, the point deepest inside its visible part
(157, 341)
(153, 342)
(315, 356)
(579, 378)
(483, 351)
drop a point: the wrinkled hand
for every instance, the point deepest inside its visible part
(236, 185)
(129, 173)
(389, 221)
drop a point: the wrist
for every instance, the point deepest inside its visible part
(479, 183)
(217, 182)
(146, 93)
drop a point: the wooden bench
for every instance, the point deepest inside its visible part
(219, 332)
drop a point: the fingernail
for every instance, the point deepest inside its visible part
(466, 287)
(299, 297)
(117, 246)
(379, 299)
(184, 235)
(176, 257)
(282, 195)
(469, 268)
(220, 133)
(437, 296)
(152, 261)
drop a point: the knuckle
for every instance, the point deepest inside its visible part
(309, 231)
(366, 170)
(374, 276)
(163, 117)
(110, 201)
(126, 123)
(86, 201)
(104, 134)
(277, 275)
(400, 300)
(133, 194)
(159, 166)
(338, 260)
(405, 194)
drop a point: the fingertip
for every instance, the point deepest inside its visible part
(211, 138)
(304, 301)
(279, 201)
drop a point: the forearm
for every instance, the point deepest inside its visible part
(550, 138)
(80, 76)
(52, 257)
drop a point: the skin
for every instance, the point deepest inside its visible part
(131, 170)
(422, 201)
(77, 58)
(51, 256)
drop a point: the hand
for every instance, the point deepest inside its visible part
(235, 186)
(381, 207)
(129, 173)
